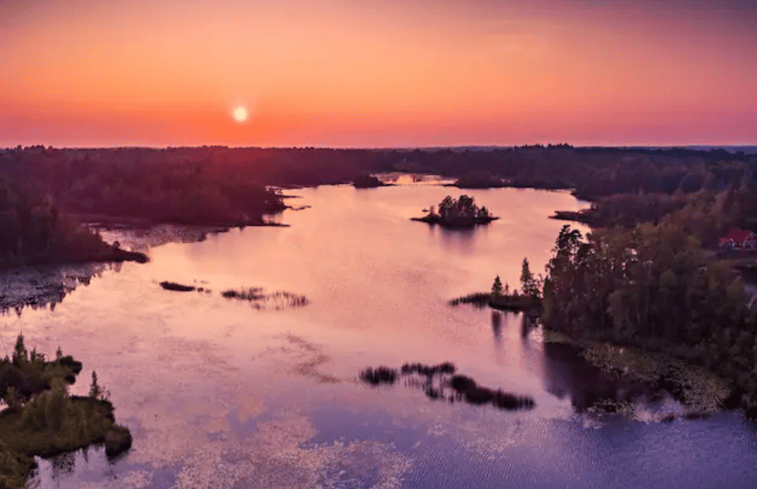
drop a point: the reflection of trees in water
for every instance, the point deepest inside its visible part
(497, 327)
(567, 373)
(39, 288)
(459, 239)
(527, 324)
(63, 465)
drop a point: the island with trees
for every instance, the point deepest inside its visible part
(527, 300)
(367, 181)
(42, 419)
(457, 213)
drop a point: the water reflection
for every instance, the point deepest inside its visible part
(219, 397)
(528, 323)
(43, 287)
(460, 240)
(567, 373)
(497, 328)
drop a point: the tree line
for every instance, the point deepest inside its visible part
(33, 231)
(653, 286)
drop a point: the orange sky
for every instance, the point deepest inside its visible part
(378, 72)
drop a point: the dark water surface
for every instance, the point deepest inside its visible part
(220, 394)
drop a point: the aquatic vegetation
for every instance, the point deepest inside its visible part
(436, 378)
(251, 294)
(379, 375)
(477, 299)
(176, 287)
(419, 368)
(257, 298)
(511, 302)
(260, 300)
(461, 383)
(472, 393)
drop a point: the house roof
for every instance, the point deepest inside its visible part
(738, 235)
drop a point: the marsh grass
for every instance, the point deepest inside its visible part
(260, 300)
(379, 375)
(503, 302)
(436, 380)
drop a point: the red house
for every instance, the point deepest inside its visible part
(739, 239)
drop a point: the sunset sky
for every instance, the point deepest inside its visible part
(377, 73)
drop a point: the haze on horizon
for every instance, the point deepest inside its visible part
(364, 73)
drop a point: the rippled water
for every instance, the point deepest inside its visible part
(220, 394)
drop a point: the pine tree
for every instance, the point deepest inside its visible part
(497, 287)
(94, 389)
(529, 286)
(20, 355)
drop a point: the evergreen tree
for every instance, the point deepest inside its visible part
(94, 389)
(497, 287)
(20, 355)
(529, 284)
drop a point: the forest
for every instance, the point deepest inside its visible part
(141, 186)
(34, 232)
(85, 177)
(45, 190)
(653, 286)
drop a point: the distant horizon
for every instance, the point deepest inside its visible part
(698, 147)
(367, 74)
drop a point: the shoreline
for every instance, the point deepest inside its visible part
(111, 223)
(697, 388)
(467, 224)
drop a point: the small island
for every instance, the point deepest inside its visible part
(42, 419)
(457, 213)
(367, 181)
(528, 300)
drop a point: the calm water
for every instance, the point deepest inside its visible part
(219, 394)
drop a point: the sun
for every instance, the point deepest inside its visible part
(240, 114)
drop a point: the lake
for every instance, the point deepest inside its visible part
(221, 394)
